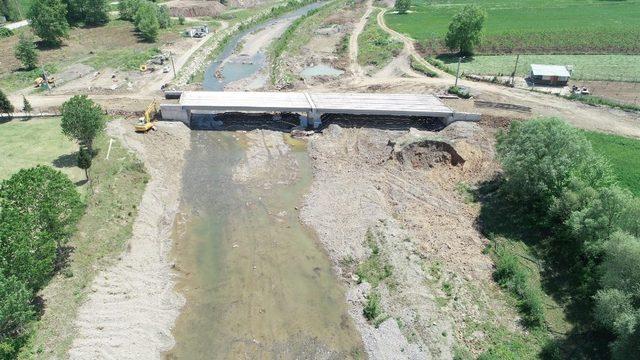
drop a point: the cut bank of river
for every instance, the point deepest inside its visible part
(257, 283)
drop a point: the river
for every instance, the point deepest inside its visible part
(258, 284)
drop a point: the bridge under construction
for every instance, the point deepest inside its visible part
(311, 105)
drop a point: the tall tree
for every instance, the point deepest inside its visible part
(48, 20)
(82, 120)
(96, 12)
(465, 30)
(5, 104)
(402, 6)
(27, 53)
(147, 21)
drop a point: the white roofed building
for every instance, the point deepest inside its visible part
(556, 75)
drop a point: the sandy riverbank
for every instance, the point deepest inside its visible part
(409, 203)
(133, 306)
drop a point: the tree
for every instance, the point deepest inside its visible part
(26, 105)
(402, 6)
(82, 120)
(16, 311)
(48, 20)
(27, 250)
(84, 161)
(46, 195)
(164, 18)
(96, 12)
(27, 53)
(5, 104)
(543, 158)
(618, 303)
(10, 10)
(128, 9)
(147, 21)
(465, 30)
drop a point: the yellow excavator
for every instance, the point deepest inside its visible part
(148, 121)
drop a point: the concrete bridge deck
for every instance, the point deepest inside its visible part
(313, 105)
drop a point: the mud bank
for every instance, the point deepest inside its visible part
(133, 306)
(439, 288)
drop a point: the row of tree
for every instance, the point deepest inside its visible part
(39, 209)
(147, 16)
(561, 187)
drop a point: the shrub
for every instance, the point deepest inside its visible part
(5, 105)
(4, 32)
(146, 21)
(461, 92)
(372, 308)
(402, 6)
(26, 52)
(16, 312)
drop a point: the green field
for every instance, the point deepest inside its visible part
(585, 67)
(532, 26)
(624, 155)
(33, 142)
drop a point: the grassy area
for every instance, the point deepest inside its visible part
(376, 47)
(420, 67)
(624, 155)
(118, 184)
(37, 141)
(123, 59)
(597, 101)
(585, 67)
(532, 26)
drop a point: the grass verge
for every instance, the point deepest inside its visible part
(118, 184)
(376, 47)
(419, 67)
(598, 101)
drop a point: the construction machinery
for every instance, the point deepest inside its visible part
(148, 121)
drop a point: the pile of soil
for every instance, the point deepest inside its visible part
(428, 153)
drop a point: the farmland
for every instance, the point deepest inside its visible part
(532, 26)
(586, 67)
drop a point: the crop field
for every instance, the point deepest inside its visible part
(585, 67)
(531, 26)
(624, 155)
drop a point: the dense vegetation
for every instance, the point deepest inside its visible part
(561, 197)
(39, 208)
(532, 26)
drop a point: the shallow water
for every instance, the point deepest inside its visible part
(320, 70)
(238, 69)
(258, 285)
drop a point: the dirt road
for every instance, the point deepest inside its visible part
(354, 65)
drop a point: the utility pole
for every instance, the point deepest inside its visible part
(513, 74)
(172, 64)
(458, 70)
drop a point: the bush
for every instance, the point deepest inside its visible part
(402, 6)
(461, 92)
(5, 105)
(4, 32)
(372, 308)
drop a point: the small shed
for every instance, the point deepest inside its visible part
(198, 31)
(555, 75)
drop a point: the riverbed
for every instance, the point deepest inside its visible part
(256, 281)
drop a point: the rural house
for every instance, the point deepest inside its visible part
(556, 75)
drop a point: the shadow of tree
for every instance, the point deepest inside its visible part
(501, 216)
(67, 160)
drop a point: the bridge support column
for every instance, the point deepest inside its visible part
(316, 120)
(304, 120)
